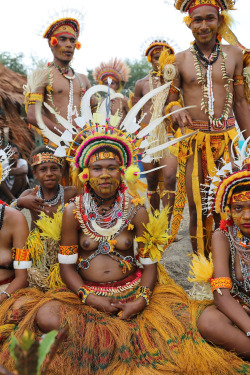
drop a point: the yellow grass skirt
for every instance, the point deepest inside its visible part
(163, 339)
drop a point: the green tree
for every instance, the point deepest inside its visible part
(13, 62)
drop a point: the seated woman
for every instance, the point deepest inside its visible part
(13, 235)
(227, 323)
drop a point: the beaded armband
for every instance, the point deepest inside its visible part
(21, 258)
(68, 254)
(221, 282)
(238, 80)
(14, 205)
(145, 292)
(144, 257)
(83, 292)
(32, 98)
(174, 90)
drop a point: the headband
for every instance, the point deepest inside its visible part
(45, 157)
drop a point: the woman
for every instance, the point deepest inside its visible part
(227, 323)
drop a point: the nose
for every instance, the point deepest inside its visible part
(203, 24)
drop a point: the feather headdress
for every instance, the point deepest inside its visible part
(114, 68)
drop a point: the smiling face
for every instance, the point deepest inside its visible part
(240, 213)
(205, 24)
(64, 50)
(104, 177)
(48, 174)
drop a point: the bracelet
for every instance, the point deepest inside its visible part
(7, 294)
(14, 205)
(145, 292)
(83, 293)
(170, 105)
(220, 282)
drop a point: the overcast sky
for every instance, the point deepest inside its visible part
(111, 27)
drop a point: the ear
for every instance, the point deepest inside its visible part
(221, 19)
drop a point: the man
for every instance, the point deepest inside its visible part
(58, 85)
(210, 76)
(17, 180)
(119, 72)
(155, 108)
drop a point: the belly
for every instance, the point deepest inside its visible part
(104, 269)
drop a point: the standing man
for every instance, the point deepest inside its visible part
(210, 77)
(152, 109)
(119, 72)
(58, 84)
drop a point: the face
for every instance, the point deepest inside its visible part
(240, 213)
(64, 50)
(114, 84)
(155, 61)
(205, 24)
(48, 174)
(15, 155)
(104, 177)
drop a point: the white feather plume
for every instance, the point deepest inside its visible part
(169, 143)
(66, 124)
(45, 130)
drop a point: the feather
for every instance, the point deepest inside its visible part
(136, 108)
(152, 170)
(45, 130)
(36, 80)
(170, 143)
(66, 124)
(85, 104)
(102, 108)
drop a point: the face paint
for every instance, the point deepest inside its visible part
(104, 185)
(240, 213)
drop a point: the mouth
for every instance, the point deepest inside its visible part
(246, 225)
(106, 184)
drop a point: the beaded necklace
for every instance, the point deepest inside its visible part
(64, 71)
(207, 102)
(54, 200)
(2, 209)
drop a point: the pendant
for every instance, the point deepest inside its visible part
(104, 247)
(92, 216)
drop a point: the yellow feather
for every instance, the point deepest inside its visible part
(51, 227)
(54, 279)
(35, 245)
(201, 268)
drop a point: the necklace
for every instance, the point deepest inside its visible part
(2, 208)
(62, 69)
(100, 199)
(207, 102)
(54, 200)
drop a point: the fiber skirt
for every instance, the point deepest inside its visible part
(162, 339)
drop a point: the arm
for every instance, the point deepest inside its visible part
(240, 106)
(7, 191)
(51, 125)
(183, 118)
(19, 171)
(20, 232)
(149, 273)
(225, 302)
(137, 96)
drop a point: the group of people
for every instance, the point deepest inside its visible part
(91, 260)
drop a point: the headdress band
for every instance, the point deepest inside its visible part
(241, 197)
(159, 46)
(63, 26)
(103, 155)
(45, 157)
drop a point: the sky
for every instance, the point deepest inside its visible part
(112, 28)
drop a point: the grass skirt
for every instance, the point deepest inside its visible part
(163, 339)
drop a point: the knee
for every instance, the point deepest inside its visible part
(152, 183)
(170, 181)
(208, 323)
(48, 317)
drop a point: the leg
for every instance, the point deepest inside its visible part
(217, 328)
(48, 317)
(169, 176)
(152, 181)
(191, 202)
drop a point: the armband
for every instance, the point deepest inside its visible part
(144, 257)
(83, 292)
(238, 80)
(170, 105)
(145, 292)
(220, 282)
(21, 258)
(32, 98)
(68, 254)
(174, 90)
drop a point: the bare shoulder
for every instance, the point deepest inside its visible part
(220, 242)
(84, 79)
(141, 216)
(69, 193)
(140, 84)
(14, 217)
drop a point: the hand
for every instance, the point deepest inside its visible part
(127, 310)
(181, 118)
(101, 303)
(3, 297)
(33, 203)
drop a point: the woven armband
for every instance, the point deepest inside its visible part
(68, 254)
(144, 257)
(21, 258)
(83, 292)
(32, 98)
(145, 292)
(221, 282)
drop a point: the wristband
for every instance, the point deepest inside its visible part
(145, 292)
(83, 293)
(8, 295)
(14, 205)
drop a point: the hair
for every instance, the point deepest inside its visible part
(241, 188)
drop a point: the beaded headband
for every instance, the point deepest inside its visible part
(46, 157)
(156, 45)
(63, 26)
(226, 188)
(103, 155)
(241, 197)
(190, 5)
